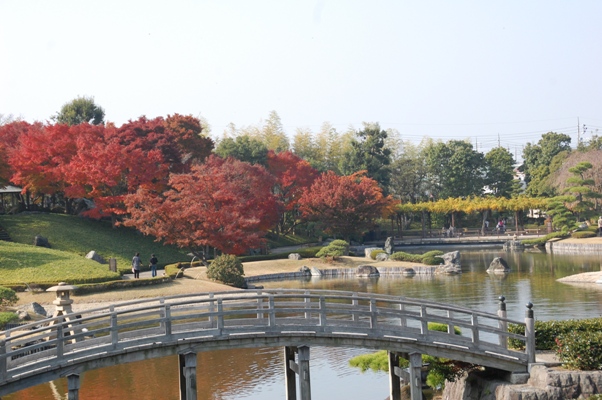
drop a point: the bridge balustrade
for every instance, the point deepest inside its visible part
(142, 324)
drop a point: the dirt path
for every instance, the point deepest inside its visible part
(195, 281)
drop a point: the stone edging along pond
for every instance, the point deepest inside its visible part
(345, 272)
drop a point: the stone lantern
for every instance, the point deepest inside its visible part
(62, 304)
(63, 301)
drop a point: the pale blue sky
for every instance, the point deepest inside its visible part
(443, 69)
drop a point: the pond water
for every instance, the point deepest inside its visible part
(255, 374)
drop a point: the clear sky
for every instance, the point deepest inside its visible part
(444, 69)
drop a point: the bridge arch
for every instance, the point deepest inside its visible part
(152, 328)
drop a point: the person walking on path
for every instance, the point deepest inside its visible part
(153, 265)
(136, 266)
(600, 226)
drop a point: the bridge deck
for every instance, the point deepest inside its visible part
(155, 327)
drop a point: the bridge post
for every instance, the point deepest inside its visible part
(394, 379)
(187, 372)
(3, 363)
(503, 325)
(416, 376)
(304, 381)
(73, 387)
(530, 333)
(290, 379)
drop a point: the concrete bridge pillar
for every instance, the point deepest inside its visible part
(73, 387)
(187, 364)
(416, 376)
(301, 368)
(394, 376)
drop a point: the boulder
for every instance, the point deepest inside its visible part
(408, 271)
(305, 270)
(23, 315)
(498, 266)
(451, 258)
(448, 269)
(34, 308)
(96, 257)
(366, 271)
(315, 271)
(41, 241)
(389, 245)
(382, 257)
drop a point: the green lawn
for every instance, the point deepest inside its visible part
(74, 237)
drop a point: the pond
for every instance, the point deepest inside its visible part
(259, 373)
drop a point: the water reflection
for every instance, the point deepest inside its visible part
(258, 373)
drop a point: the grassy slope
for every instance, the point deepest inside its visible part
(79, 236)
(22, 263)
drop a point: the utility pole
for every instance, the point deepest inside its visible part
(578, 133)
(498, 140)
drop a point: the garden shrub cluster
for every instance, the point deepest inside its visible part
(429, 258)
(8, 297)
(336, 248)
(578, 343)
(227, 269)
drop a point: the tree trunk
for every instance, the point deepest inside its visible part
(485, 215)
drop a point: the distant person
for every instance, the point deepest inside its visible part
(486, 225)
(600, 226)
(153, 265)
(136, 266)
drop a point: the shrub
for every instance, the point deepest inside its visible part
(432, 260)
(227, 269)
(433, 253)
(378, 361)
(336, 248)
(375, 253)
(583, 234)
(403, 256)
(8, 297)
(6, 317)
(582, 351)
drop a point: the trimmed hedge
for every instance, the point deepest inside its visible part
(375, 253)
(582, 351)
(121, 284)
(578, 343)
(542, 240)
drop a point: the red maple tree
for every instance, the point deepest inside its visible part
(225, 204)
(344, 205)
(293, 176)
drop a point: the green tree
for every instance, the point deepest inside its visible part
(581, 189)
(369, 153)
(538, 160)
(273, 135)
(408, 174)
(243, 148)
(499, 165)
(455, 169)
(79, 111)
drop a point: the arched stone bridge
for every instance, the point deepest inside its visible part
(295, 319)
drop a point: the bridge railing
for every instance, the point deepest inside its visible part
(145, 323)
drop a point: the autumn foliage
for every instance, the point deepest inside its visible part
(226, 204)
(345, 205)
